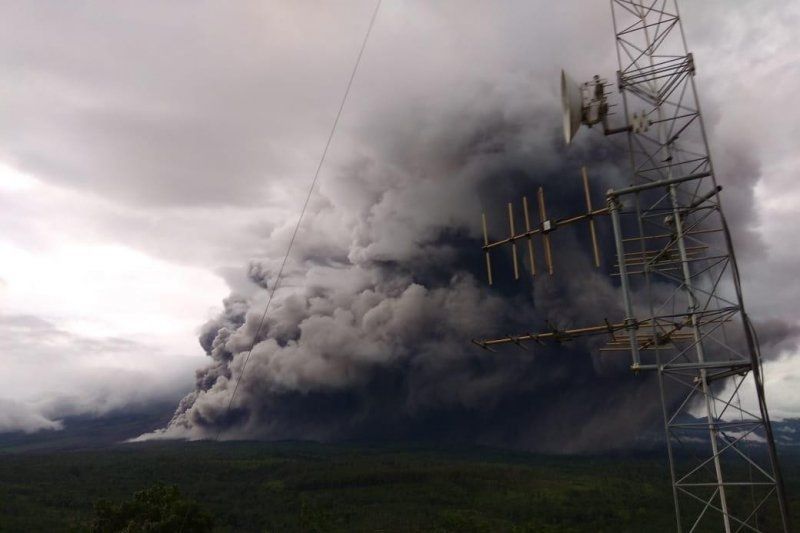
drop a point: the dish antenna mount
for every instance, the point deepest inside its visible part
(585, 103)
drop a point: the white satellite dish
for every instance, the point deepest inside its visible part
(571, 106)
(584, 103)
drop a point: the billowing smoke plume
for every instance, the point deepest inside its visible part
(369, 335)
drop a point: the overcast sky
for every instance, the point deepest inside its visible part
(148, 151)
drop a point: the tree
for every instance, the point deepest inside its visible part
(158, 509)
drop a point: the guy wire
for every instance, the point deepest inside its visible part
(304, 208)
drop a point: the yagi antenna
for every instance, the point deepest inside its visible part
(592, 230)
(531, 257)
(486, 248)
(543, 230)
(546, 226)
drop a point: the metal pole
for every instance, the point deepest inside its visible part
(752, 345)
(673, 183)
(630, 321)
(687, 283)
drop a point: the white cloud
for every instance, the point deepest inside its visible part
(13, 181)
(782, 384)
(108, 290)
(88, 324)
(16, 416)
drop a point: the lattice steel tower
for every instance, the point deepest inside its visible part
(685, 318)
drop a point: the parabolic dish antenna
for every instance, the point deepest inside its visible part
(571, 106)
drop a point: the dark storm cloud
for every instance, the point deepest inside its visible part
(778, 336)
(172, 118)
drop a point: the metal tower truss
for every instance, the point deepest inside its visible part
(684, 316)
(678, 275)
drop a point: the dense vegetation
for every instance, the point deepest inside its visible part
(309, 487)
(157, 509)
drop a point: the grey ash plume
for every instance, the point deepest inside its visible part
(368, 337)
